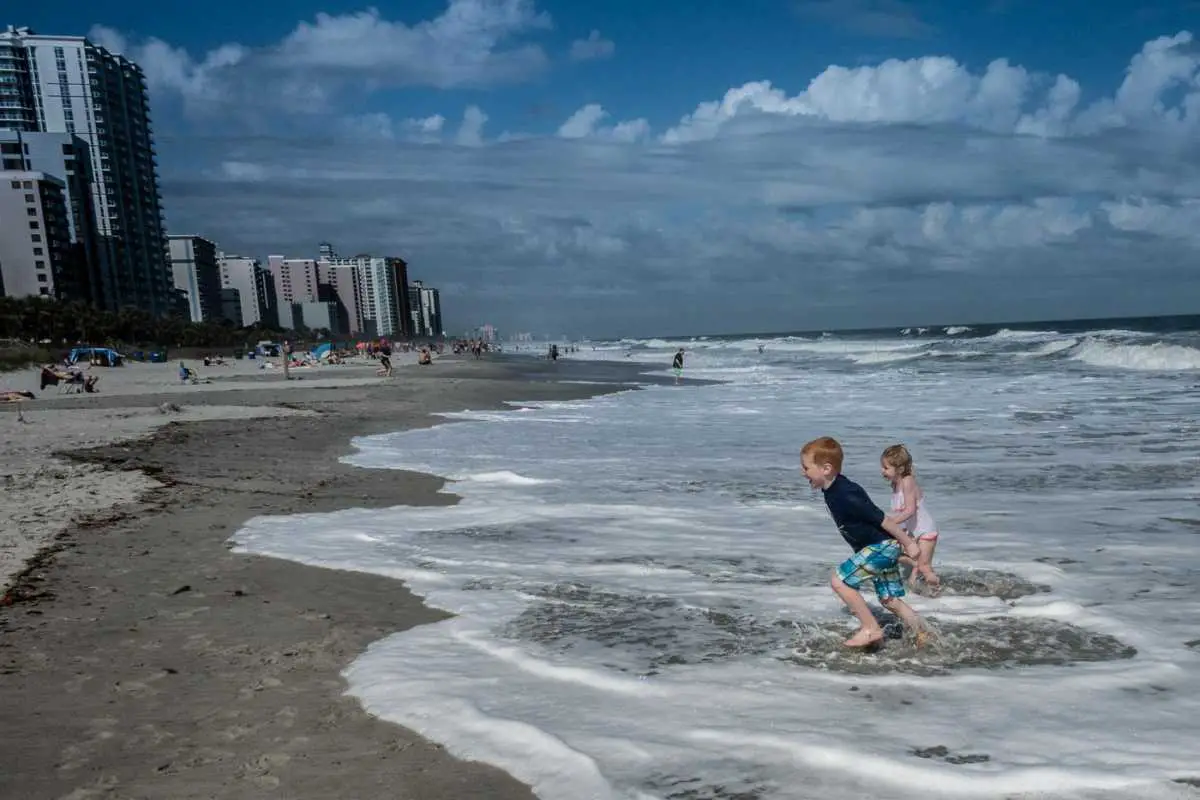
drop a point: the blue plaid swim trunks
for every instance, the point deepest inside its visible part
(878, 563)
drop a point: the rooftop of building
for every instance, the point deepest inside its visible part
(22, 34)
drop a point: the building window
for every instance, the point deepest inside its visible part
(39, 264)
(42, 278)
(37, 237)
(16, 184)
(33, 226)
(28, 198)
(43, 290)
(31, 212)
(37, 251)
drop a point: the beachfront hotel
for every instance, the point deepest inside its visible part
(68, 85)
(365, 295)
(63, 156)
(196, 273)
(255, 287)
(36, 256)
(379, 295)
(426, 308)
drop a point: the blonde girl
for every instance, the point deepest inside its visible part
(910, 511)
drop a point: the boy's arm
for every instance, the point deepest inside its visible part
(865, 508)
(893, 529)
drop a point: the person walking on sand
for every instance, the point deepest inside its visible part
(677, 364)
(909, 510)
(876, 540)
(385, 360)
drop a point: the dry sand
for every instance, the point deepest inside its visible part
(43, 493)
(139, 658)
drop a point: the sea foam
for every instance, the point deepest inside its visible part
(641, 580)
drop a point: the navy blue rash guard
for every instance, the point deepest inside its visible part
(857, 518)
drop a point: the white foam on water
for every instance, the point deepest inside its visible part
(1156, 356)
(641, 583)
(505, 477)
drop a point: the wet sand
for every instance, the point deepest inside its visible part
(139, 658)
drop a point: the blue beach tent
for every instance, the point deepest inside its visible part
(104, 355)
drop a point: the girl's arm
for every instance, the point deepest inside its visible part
(908, 485)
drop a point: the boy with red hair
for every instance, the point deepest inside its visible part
(877, 542)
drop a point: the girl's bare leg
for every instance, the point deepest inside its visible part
(925, 564)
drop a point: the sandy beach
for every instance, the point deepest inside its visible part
(141, 659)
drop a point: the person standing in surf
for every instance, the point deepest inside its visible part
(876, 540)
(677, 364)
(909, 511)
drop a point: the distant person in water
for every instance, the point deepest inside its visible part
(910, 511)
(876, 540)
(677, 364)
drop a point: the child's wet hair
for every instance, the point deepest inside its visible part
(898, 457)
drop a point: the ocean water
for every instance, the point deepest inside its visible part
(641, 579)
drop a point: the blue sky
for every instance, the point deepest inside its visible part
(552, 165)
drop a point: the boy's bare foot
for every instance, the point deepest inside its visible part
(864, 638)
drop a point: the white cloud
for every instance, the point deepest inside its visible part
(470, 132)
(464, 46)
(473, 43)
(938, 90)
(1143, 215)
(585, 123)
(951, 193)
(595, 47)
(171, 68)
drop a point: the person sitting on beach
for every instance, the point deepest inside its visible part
(910, 512)
(424, 358)
(876, 540)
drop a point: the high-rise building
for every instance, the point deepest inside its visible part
(426, 306)
(371, 294)
(364, 286)
(377, 287)
(18, 111)
(231, 307)
(67, 84)
(296, 281)
(65, 157)
(35, 238)
(255, 287)
(195, 270)
(404, 322)
(339, 284)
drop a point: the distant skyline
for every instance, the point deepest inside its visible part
(632, 169)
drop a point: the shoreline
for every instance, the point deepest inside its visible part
(141, 658)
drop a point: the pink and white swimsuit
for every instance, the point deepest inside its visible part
(920, 525)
